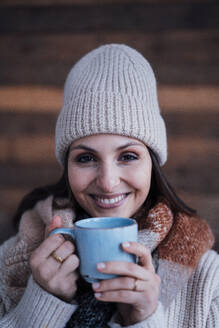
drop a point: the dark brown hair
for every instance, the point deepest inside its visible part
(160, 189)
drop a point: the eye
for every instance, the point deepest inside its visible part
(85, 158)
(128, 157)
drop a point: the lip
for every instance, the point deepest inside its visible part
(100, 200)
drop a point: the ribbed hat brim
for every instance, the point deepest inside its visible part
(110, 113)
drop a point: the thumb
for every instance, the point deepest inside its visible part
(55, 223)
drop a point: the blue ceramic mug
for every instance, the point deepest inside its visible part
(99, 240)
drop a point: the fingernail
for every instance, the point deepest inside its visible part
(95, 285)
(61, 237)
(57, 236)
(101, 265)
(126, 244)
(97, 295)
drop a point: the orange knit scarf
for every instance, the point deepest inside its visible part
(179, 242)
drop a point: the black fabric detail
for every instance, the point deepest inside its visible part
(90, 313)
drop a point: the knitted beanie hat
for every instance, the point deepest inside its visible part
(111, 90)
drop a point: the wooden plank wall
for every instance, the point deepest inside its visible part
(41, 40)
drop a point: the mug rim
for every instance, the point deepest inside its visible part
(132, 222)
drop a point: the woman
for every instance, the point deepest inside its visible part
(111, 142)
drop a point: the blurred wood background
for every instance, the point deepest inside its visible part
(41, 40)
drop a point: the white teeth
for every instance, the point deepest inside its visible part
(110, 201)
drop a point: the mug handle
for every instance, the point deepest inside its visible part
(64, 231)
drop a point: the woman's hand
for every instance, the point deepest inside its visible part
(56, 275)
(136, 291)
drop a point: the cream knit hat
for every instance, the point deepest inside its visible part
(111, 90)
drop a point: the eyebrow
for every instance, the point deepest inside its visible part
(81, 146)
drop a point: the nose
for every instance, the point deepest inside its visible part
(108, 178)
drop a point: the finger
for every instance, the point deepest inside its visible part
(64, 287)
(47, 247)
(123, 269)
(63, 251)
(123, 283)
(52, 269)
(55, 223)
(120, 296)
(69, 265)
(143, 253)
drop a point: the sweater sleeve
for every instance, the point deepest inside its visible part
(213, 314)
(213, 318)
(14, 259)
(19, 294)
(152, 321)
(38, 309)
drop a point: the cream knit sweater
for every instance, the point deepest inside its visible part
(24, 304)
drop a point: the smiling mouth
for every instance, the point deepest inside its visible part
(109, 202)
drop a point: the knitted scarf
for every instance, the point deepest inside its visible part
(177, 244)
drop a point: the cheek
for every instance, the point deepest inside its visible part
(144, 182)
(78, 180)
(141, 178)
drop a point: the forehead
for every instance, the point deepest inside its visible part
(104, 140)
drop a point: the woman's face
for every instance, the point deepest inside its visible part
(109, 175)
